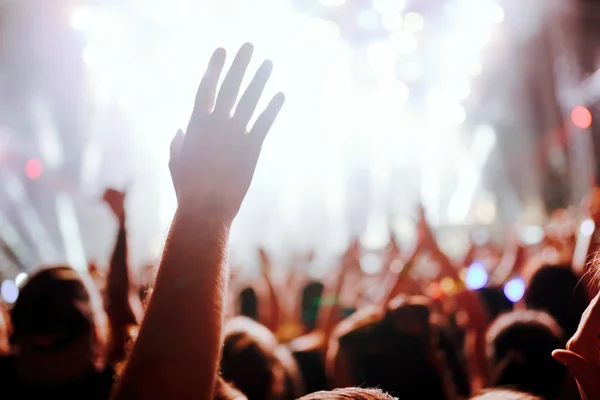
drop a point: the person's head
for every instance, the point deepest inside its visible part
(256, 364)
(352, 393)
(248, 303)
(519, 353)
(502, 394)
(311, 297)
(58, 319)
(395, 350)
(556, 290)
(495, 301)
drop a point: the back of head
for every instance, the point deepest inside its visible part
(519, 348)
(56, 303)
(253, 361)
(500, 394)
(395, 350)
(352, 393)
(495, 301)
(556, 290)
(58, 319)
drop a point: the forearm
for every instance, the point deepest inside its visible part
(119, 307)
(117, 282)
(177, 351)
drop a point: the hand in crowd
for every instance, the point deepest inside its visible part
(116, 201)
(213, 163)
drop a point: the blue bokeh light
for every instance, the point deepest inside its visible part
(477, 276)
(515, 289)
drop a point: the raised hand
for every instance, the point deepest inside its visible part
(213, 164)
(116, 201)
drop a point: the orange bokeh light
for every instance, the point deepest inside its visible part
(581, 117)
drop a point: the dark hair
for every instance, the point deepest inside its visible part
(256, 364)
(519, 351)
(349, 394)
(495, 301)
(556, 290)
(396, 350)
(248, 303)
(60, 299)
(311, 298)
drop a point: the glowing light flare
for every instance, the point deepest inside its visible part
(391, 21)
(581, 117)
(404, 41)
(587, 227)
(496, 13)
(34, 168)
(532, 235)
(448, 285)
(514, 290)
(459, 88)
(81, 19)
(477, 276)
(368, 20)
(414, 22)
(332, 3)
(370, 263)
(410, 71)
(388, 6)
(20, 278)
(9, 291)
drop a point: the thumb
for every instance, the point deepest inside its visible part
(581, 370)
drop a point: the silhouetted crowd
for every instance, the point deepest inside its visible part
(193, 328)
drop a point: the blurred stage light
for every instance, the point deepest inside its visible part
(587, 227)
(475, 68)
(21, 277)
(514, 289)
(391, 21)
(533, 234)
(414, 22)
(477, 276)
(370, 263)
(332, 3)
(368, 20)
(388, 6)
(9, 291)
(454, 114)
(459, 88)
(81, 19)
(496, 13)
(582, 117)
(404, 41)
(34, 168)
(409, 71)
(90, 56)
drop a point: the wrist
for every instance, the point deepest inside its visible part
(211, 211)
(203, 213)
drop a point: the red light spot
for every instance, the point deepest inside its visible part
(582, 117)
(34, 168)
